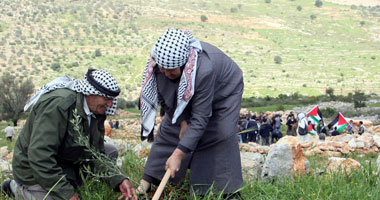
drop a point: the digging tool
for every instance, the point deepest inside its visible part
(161, 187)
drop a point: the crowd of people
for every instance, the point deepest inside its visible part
(265, 129)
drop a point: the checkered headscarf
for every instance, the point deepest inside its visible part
(95, 82)
(173, 49)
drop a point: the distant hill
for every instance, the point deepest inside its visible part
(283, 46)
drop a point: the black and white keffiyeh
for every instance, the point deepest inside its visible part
(95, 82)
(173, 49)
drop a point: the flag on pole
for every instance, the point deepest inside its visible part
(339, 122)
(315, 114)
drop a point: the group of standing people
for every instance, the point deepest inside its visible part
(262, 128)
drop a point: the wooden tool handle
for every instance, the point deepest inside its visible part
(161, 187)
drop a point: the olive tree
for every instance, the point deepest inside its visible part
(14, 93)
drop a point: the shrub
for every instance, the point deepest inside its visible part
(328, 112)
(267, 1)
(204, 18)
(277, 60)
(362, 23)
(299, 8)
(55, 66)
(318, 3)
(233, 10)
(359, 99)
(330, 92)
(98, 53)
(313, 17)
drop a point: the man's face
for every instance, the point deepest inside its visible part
(98, 104)
(171, 73)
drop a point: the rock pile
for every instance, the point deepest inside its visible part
(333, 146)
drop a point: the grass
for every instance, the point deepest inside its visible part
(271, 108)
(361, 184)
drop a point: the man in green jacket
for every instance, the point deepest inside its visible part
(47, 154)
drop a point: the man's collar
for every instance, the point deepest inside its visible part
(86, 108)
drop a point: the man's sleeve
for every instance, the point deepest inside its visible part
(49, 127)
(201, 110)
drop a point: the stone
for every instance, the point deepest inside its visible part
(376, 140)
(299, 159)
(352, 144)
(367, 140)
(143, 148)
(5, 166)
(283, 160)
(336, 164)
(307, 145)
(344, 138)
(345, 149)
(252, 164)
(3, 151)
(279, 162)
(291, 140)
(360, 144)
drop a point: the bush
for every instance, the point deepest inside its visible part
(267, 1)
(277, 60)
(98, 53)
(123, 104)
(299, 8)
(330, 92)
(318, 3)
(313, 17)
(204, 18)
(328, 112)
(233, 10)
(55, 67)
(359, 99)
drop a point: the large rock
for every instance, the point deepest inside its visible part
(279, 162)
(252, 164)
(284, 158)
(336, 164)
(367, 141)
(376, 140)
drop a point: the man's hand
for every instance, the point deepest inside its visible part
(127, 190)
(75, 197)
(174, 161)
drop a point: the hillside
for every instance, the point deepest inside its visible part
(335, 45)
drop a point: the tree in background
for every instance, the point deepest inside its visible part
(14, 93)
(318, 3)
(359, 99)
(277, 60)
(330, 92)
(204, 18)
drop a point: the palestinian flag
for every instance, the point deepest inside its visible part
(339, 122)
(315, 114)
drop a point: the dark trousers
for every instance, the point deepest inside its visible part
(265, 140)
(252, 136)
(244, 137)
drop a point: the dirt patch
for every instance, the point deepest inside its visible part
(356, 2)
